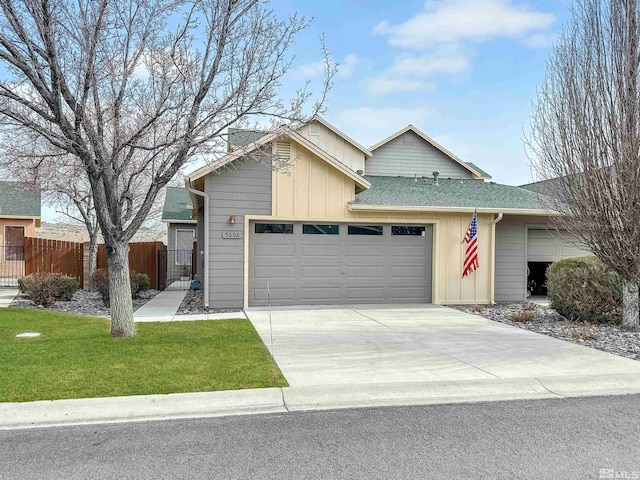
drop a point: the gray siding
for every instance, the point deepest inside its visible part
(409, 155)
(511, 251)
(244, 189)
(200, 240)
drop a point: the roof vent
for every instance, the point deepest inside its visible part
(435, 177)
(360, 172)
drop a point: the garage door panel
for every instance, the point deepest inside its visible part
(406, 292)
(410, 272)
(327, 249)
(366, 294)
(277, 294)
(366, 271)
(321, 271)
(549, 246)
(319, 293)
(366, 251)
(275, 250)
(273, 272)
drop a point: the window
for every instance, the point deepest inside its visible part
(308, 229)
(14, 244)
(407, 230)
(184, 246)
(365, 230)
(274, 227)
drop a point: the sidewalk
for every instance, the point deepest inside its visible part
(293, 399)
(6, 296)
(164, 308)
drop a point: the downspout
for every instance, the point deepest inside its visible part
(493, 257)
(205, 275)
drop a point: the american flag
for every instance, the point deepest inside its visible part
(471, 254)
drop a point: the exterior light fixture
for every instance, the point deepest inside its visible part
(232, 219)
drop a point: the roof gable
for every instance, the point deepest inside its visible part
(282, 132)
(410, 128)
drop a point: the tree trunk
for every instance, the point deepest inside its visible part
(120, 290)
(630, 310)
(93, 252)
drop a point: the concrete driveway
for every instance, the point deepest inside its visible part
(392, 344)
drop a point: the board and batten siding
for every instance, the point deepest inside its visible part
(409, 155)
(242, 189)
(311, 189)
(334, 145)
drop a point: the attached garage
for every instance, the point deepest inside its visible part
(543, 248)
(339, 263)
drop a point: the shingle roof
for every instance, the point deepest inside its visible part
(175, 205)
(479, 170)
(19, 199)
(405, 191)
(241, 138)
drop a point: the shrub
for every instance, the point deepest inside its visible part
(45, 288)
(100, 283)
(525, 315)
(144, 283)
(583, 332)
(584, 289)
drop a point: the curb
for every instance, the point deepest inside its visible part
(55, 413)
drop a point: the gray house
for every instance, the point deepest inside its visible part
(181, 233)
(347, 224)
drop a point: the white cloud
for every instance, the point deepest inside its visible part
(453, 21)
(370, 125)
(408, 72)
(347, 67)
(540, 40)
(384, 85)
(309, 70)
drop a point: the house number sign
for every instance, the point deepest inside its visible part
(232, 234)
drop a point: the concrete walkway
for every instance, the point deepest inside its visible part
(164, 307)
(6, 296)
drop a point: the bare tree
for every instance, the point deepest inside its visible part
(134, 89)
(585, 132)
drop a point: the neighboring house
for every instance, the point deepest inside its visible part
(19, 218)
(349, 225)
(181, 233)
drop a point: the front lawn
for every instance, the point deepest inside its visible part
(76, 358)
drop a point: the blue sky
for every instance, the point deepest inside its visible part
(463, 71)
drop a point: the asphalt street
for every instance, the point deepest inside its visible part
(556, 439)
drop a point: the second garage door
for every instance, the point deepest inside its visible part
(313, 264)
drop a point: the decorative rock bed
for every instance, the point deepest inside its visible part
(83, 303)
(545, 320)
(193, 304)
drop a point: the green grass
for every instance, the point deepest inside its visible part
(76, 358)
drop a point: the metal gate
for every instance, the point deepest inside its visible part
(175, 269)
(11, 265)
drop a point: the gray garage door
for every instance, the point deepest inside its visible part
(313, 264)
(550, 245)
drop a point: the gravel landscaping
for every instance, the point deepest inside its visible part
(545, 320)
(83, 303)
(193, 303)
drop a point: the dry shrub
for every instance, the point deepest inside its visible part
(45, 288)
(524, 316)
(477, 309)
(584, 289)
(100, 283)
(583, 332)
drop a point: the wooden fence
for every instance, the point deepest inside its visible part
(53, 256)
(143, 258)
